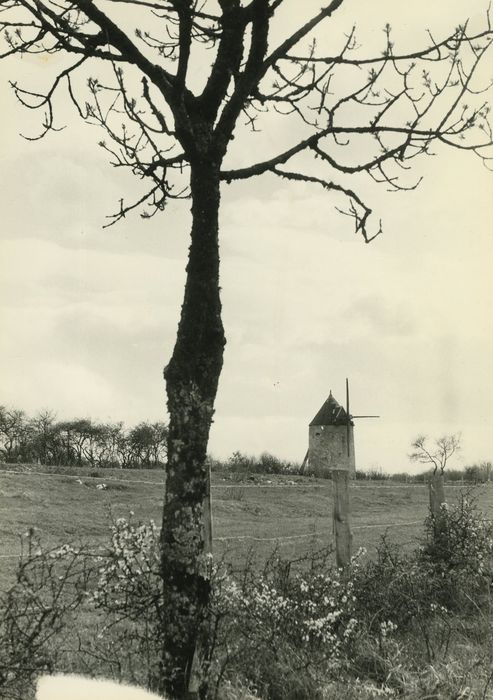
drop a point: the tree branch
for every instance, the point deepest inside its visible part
(295, 38)
(360, 216)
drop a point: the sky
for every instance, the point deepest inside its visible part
(88, 315)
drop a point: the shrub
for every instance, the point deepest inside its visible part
(400, 477)
(286, 627)
(240, 463)
(297, 630)
(278, 630)
(376, 473)
(424, 593)
(460, 551)
(37, 613)
(127, 596)
(396, 588)
(271, 464)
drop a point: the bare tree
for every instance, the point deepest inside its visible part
(436, 452)
(148, 444)
(173, 125)
(13, 433)
(44, 431)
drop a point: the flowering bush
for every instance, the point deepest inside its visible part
(289, 630)
(310, 611)
(460, 553)
(303, 617)
(129, 580)
(464, 540)
(127, 596)
(266, 625)
(285, 627)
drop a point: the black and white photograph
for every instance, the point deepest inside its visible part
(246, 330)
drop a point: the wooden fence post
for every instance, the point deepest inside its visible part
(437, 499)
(437, 494)
(342, 526)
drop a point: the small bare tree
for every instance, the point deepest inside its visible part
(437, 453)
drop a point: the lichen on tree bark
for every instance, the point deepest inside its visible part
(191, 380)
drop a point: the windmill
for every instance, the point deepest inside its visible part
(331, 438)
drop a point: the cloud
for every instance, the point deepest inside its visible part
(106, 320)
(89, 316)
(382, 317)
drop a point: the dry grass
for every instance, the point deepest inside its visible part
(62, 509)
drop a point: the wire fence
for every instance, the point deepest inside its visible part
(279, 539)
(234, 484)
(320, 533)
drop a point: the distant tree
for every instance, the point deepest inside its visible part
(182, 80)
(80, 442)
(148, 444)
(76, 434)
(486, 470)
(45, 439)
(123, 448)
(95, 447)
(13, 432)
(435, 452)
(478, 473)
(160, 443)
(107, 435)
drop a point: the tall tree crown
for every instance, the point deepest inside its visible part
(184, 77)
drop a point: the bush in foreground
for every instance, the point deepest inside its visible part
(409, 625)
(36, 614)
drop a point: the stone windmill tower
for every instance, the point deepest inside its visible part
(331, 439)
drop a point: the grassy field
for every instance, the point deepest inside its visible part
(292, 512)
(432, 654)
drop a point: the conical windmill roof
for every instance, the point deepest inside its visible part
(331, 413)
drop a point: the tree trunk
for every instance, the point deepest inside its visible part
(191, 381)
